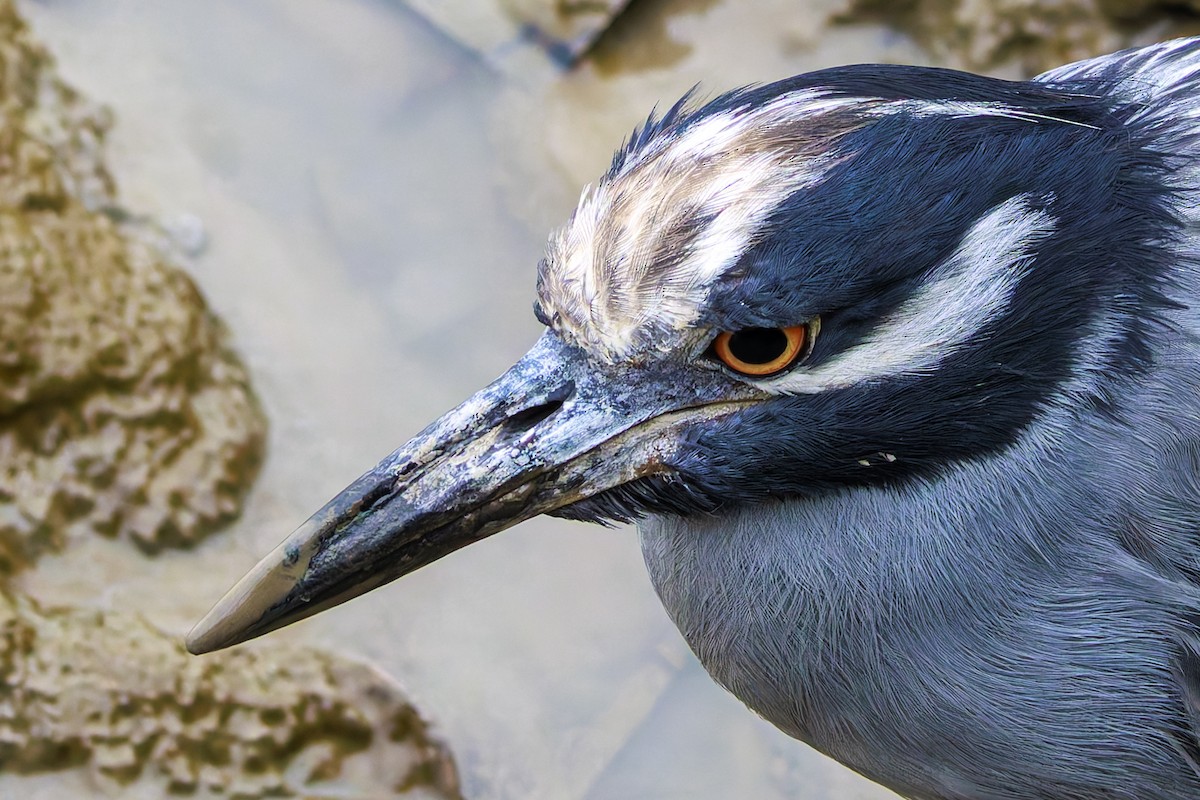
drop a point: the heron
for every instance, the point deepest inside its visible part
(897, 371)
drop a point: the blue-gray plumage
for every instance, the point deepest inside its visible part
(898, 370)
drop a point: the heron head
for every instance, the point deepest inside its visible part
(856, 276)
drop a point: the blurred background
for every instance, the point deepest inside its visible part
(360, 191)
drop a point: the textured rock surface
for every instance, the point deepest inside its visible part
(1030, 35)
(109, 693)
(124, 412)
(122, 409)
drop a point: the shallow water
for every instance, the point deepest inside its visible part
(367, 199)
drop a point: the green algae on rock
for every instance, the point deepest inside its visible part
(123, 410)
(109, 693)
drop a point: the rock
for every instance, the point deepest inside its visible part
(109, 693)
(123, 410)
(523, 37)
(1028, 36)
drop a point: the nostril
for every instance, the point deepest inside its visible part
(380, 491)
(526, 418)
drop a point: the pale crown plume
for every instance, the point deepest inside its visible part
(631, 269)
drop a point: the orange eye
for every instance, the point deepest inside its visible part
(762, 351)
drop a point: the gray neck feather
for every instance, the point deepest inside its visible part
(906, 630)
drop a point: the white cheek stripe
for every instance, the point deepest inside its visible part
(970, 288)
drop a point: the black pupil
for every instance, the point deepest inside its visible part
(758, 345)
